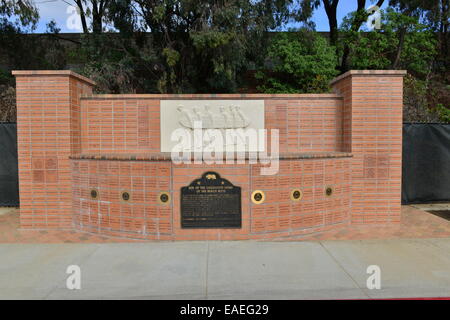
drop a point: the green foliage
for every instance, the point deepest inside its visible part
(301, 62)
(416, 102)
(198, 46)
(368, 50)
(443, 112)
(19, 13)
(172, 56)
(118, 64)
(425, 100)
(379, 49)
(23, 52)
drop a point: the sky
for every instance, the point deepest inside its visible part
(67, 21)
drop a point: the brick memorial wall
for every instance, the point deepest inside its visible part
(80, 152)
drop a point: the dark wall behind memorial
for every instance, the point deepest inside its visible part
(426, 163)
(9, 186)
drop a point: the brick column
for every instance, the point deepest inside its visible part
(372, 131)
(48, 131)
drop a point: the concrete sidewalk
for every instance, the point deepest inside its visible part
(227, 270)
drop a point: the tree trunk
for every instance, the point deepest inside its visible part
(97, 24)
(96, 17)
(331, 9)
(398, 54)
(82, 16)
(444, 37)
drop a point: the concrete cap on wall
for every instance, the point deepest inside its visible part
(215, 96)
(69, 73)
(388, 73)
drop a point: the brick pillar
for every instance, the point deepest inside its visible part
(372, 131)
(48, 132)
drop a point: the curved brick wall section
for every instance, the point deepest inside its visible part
(144, 217)
(142, 214)
(315, 210)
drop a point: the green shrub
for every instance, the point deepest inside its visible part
(299, 62)
(443, 112)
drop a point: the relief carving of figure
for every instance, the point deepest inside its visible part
(228, 117)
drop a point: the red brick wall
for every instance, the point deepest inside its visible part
(279, 213)
(373, 105)
(130, 124)
(48, 129)
(120, 126)
(309, 124)
(143, 216)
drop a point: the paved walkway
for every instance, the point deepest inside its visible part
(414, 224)
(227, 270)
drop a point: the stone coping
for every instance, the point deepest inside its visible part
(166, 156)
(387, 73)
(69, 73)
(212, 96)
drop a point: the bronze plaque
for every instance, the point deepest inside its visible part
(211, 202)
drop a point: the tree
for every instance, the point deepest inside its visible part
(23, 12)
(358, 18)
(194, 46)
(356, 22)
(379, 49)
(94, 9)
(21, 51)
(16, 17)
(436, 15)
(302, 62)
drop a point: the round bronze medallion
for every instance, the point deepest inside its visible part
(296, 195)
(164, 197)
(125, 196)
(94, 194)
(329, 191)
(258, 196)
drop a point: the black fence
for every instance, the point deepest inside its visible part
(9, 174)
(426, 163)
